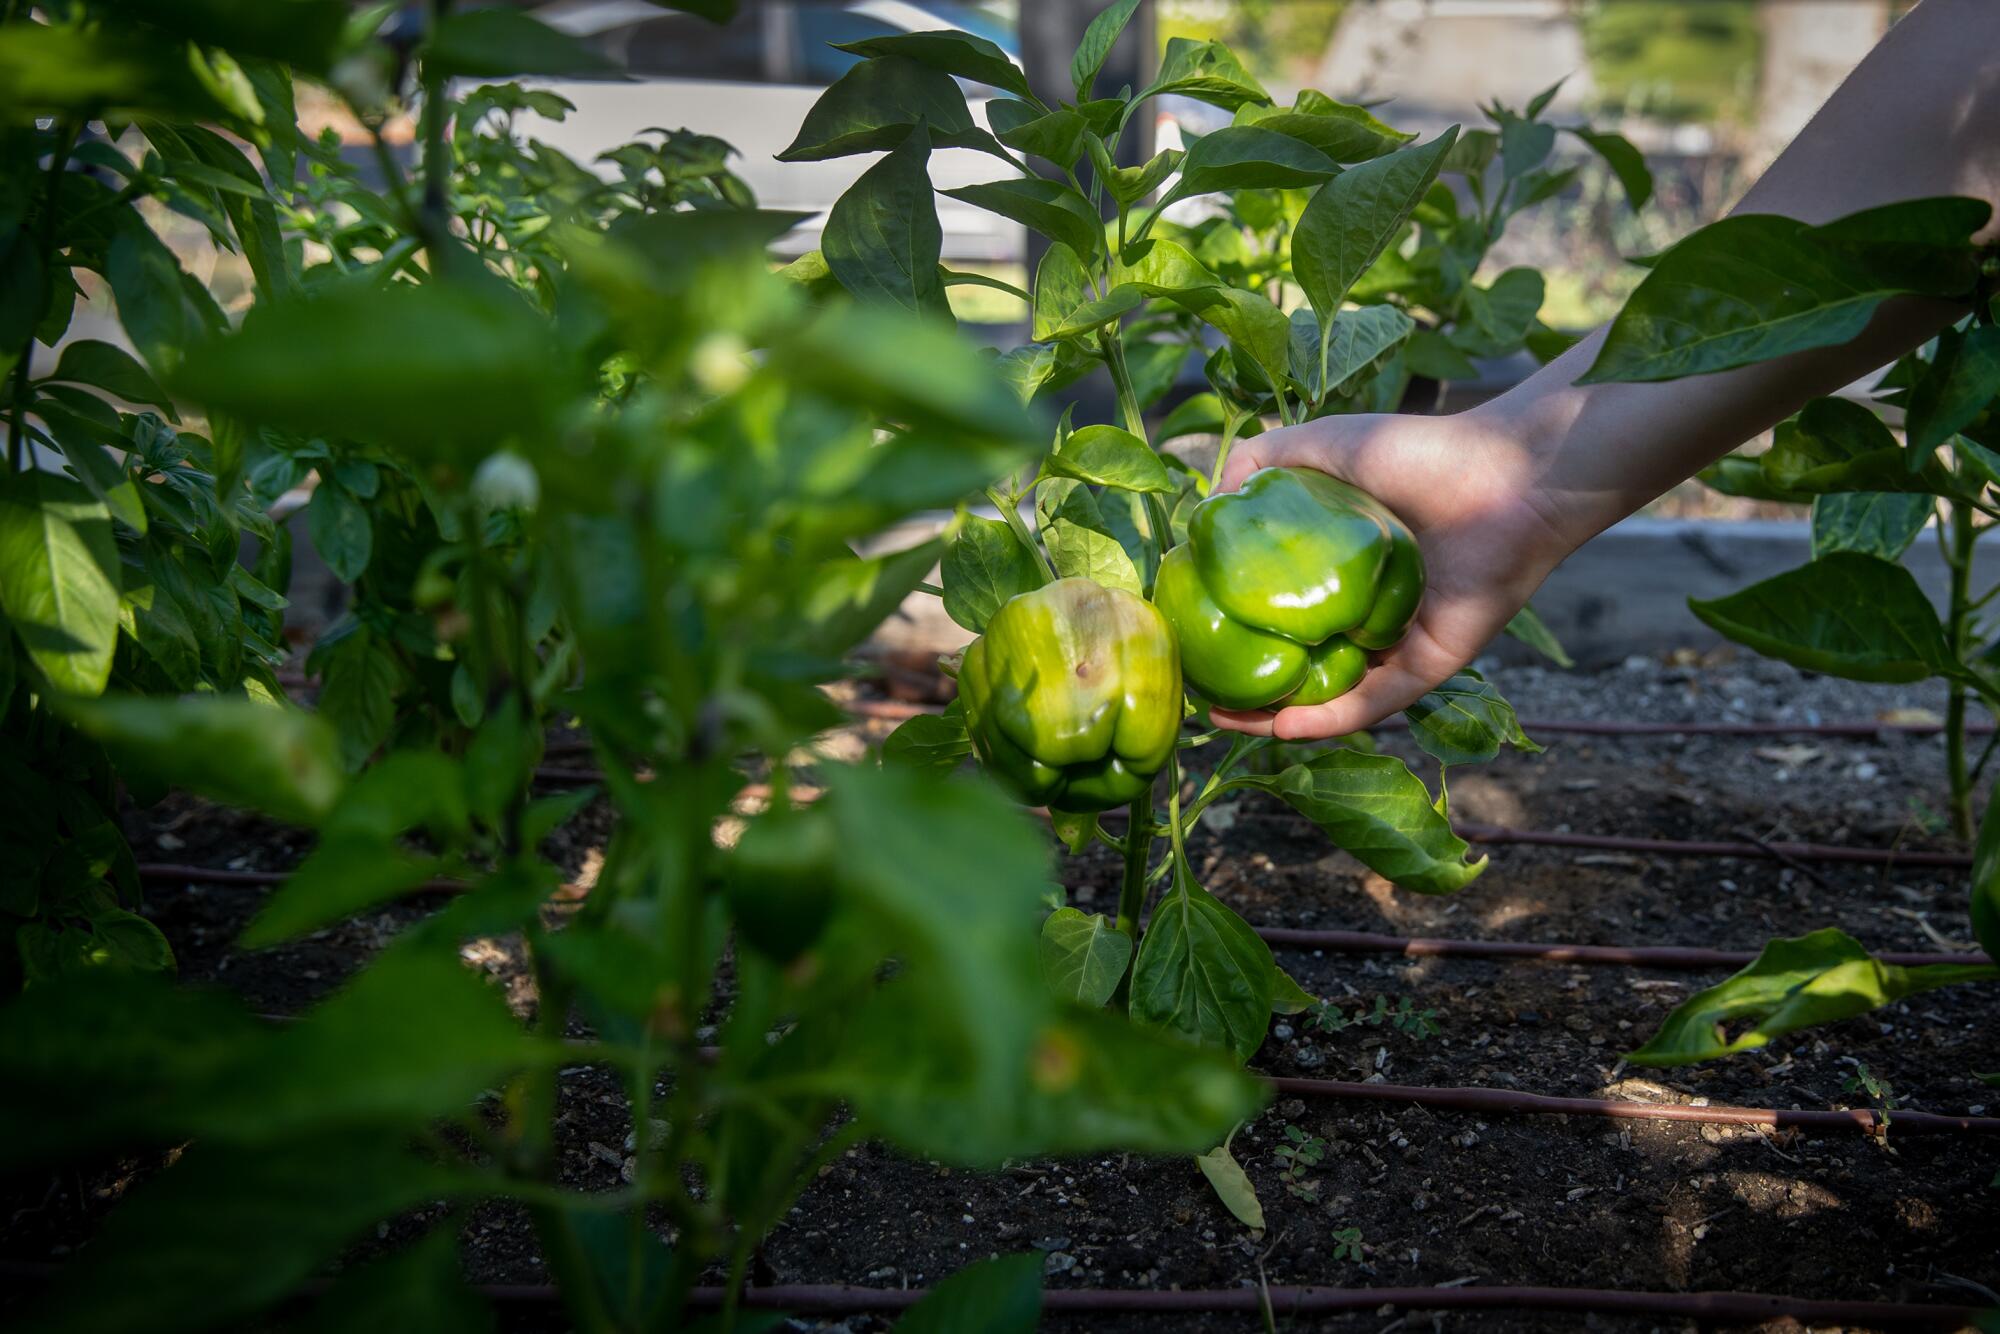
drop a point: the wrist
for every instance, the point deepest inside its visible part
(1513, 478)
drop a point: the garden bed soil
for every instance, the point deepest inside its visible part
(1434, 1196)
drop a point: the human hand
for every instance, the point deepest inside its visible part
(1465, 487)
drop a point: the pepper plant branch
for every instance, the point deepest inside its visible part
(45, 245)
(1010, 510)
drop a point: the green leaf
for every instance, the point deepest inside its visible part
(437, 369)
(344, 875)
(933, 743)
(59, 578)
(1083, 956)
(1161, 268)
(985, 565)
(499, 43)
(1528, 627)
(1130, 184)
(1986, 881)
(1098, 39)
(898, 367)
(1428, 352)
(1352, 218)
(303, 33)
(1055, 135)
(275, 759)
(844, 600)
(1049, 207)
(1110, 456)
(1232, 1186)
(196, 1248)
(1952, 393)
(102, 475)
(882, 237)
(341, 531)
(1206, 71)
(948, 52)
(1524, 144)
(877, 104)
(1875, 523)
(1836, 444)
(1625, 161)
(1344, 133)
(1376, 809)
(1361, 341)
(1249, 157)
(1288, 997)
(1846, 615)
(112, 369)
(1794, 983)
(1001, 1296)
(1062, 289)
(1080, 543)
(1754, 287)
(1501, 314)
(1203, 973)
(145, 280)
(1466, 721)
(86, 72)
(420, 1287)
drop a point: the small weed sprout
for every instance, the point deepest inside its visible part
(1405, 1018)
(1881, 1094)
(1347, 1245)
(1300, 1153)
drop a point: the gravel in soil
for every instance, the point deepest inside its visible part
(1398, 1195)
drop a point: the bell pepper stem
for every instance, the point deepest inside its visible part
(1011, 512)
(1231, 423)
(1138, 842)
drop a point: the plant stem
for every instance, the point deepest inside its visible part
(17, 428)
(1959, 557)
(1011, 512)
(1121, 379)
(1138, 843)
(1231, 423)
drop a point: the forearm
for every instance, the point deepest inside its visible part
(1920, 117)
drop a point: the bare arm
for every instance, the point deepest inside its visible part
(1501, 494)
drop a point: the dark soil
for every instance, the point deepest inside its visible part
(1431, 1197)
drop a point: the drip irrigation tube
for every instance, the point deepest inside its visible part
(1671, 847)
(1513, 1103)
(1630, 956)
(896, 710)
(1285, 1299)
(1283, 937)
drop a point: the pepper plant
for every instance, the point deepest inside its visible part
(1755, 287)
(121, 521)
(629, 402)
(1110, 554)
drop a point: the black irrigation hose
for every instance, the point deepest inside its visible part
(1670, 847)
(1285, 1299)
(1283, 937)
(1629, 956)
(1510, 1102)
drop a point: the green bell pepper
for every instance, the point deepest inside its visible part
(1283, 587)
(1073, 695)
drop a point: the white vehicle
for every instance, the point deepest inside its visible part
(751, 82)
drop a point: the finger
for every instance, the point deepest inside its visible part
(1250, 722)
(1387, 689)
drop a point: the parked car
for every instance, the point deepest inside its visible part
(751, 81)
